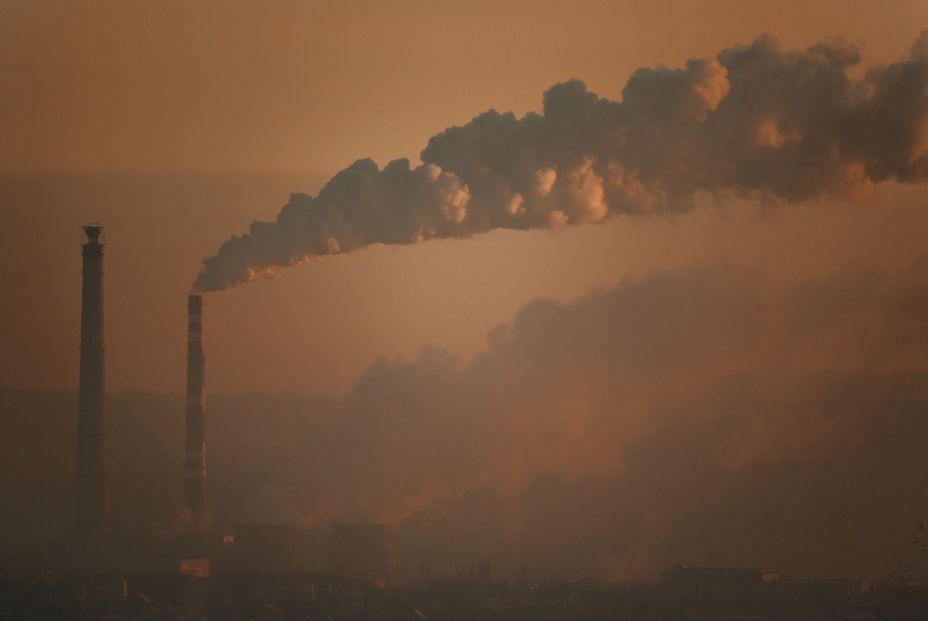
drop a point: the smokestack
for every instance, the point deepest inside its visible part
(91, 514)
(195, 482)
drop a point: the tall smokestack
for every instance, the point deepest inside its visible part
(91, 498)
(195, 483)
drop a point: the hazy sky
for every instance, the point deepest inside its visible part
(290, 92)
(743, 356)
(310, 86)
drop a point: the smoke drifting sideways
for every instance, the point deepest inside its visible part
(754, 121)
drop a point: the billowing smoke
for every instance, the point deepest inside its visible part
(756, 121)
(709, 415)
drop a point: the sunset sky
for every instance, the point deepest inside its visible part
(308, 87)
(176, 124)
(673, 314)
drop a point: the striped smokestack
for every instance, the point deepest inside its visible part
(91, 508)
(195, 482)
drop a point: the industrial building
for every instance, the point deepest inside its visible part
(362, 550)
(354, 550)
(268, 548)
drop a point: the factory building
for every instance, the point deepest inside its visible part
(362, 550)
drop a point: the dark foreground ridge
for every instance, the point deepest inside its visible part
(681, 593)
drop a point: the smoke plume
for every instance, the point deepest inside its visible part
(705, 415)
(571, 389)
(755, 120)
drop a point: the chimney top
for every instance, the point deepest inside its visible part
(93, 232)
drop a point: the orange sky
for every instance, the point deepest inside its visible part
(290, 92)
(311, 86)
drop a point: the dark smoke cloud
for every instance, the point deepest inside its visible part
(710, 415)
(656, 407)
(824, 482)
(756, 120)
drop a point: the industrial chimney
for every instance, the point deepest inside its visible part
(91, 499)
(195, 482)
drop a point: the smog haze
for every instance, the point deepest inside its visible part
(591, 288)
